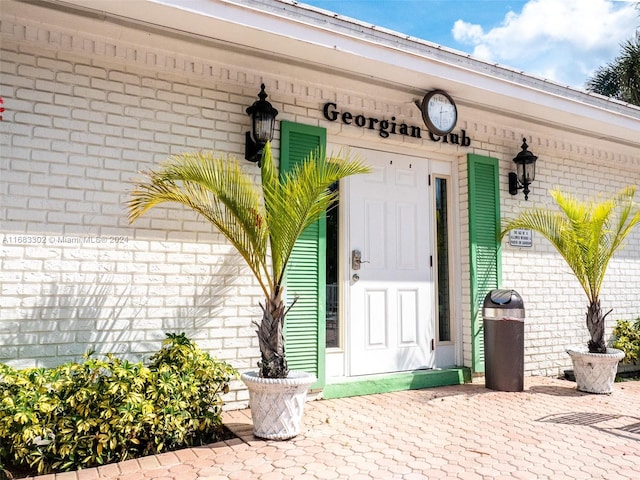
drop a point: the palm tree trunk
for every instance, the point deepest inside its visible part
(595, 324)
(271, 339)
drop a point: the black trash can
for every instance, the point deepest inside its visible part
(503, 319)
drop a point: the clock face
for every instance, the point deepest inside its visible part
(439, 112)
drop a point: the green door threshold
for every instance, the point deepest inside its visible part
(393, 382)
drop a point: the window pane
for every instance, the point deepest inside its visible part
(442, 233)
(332, 324)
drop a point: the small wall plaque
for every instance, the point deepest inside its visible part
(521, 237)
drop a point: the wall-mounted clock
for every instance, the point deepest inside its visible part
(439, 112)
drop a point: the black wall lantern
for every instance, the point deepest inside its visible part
(263, 120)
(526, 171)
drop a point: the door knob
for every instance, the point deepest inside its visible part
(356, 259)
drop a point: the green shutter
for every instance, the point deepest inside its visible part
(305, 275)
(484, 246)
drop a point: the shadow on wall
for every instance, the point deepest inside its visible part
(67, 320)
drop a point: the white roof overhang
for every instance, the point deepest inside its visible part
(304, 35)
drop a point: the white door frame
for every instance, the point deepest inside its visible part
(337, 361)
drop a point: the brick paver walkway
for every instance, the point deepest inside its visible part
(549, 431)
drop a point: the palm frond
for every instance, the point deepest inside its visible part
(217, 189)
(585, 234)
(620, 78)
(299, 199)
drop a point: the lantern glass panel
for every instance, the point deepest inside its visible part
(526, 172)
(520, 172)
(530, 171)
(263, 124)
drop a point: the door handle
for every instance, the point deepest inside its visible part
(356, 259)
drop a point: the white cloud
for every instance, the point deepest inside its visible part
(563, 40)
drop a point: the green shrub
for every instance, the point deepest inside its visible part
(86, 414)
(627, 339)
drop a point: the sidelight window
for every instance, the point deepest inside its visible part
(332, 295)
(442, 254)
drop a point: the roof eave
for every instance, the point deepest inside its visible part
(331, 42)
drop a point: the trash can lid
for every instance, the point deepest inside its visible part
(503, 299)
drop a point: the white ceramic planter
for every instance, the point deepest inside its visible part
(595, 372)
(277, 404)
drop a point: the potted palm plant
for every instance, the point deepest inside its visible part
(587, 234)
(263, 225)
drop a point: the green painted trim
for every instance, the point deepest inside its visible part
(484, 210)
(286, 128)
(317, 137)
(395, 382)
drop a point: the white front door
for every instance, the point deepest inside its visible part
(391, 320)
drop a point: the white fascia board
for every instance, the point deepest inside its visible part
(308, 35)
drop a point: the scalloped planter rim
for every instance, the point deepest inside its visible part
(595, 372)
(277, 404)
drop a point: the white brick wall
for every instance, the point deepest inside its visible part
(75, 276)
(84, 115)
(556, 304)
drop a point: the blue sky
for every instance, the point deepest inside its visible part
(562, 40)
